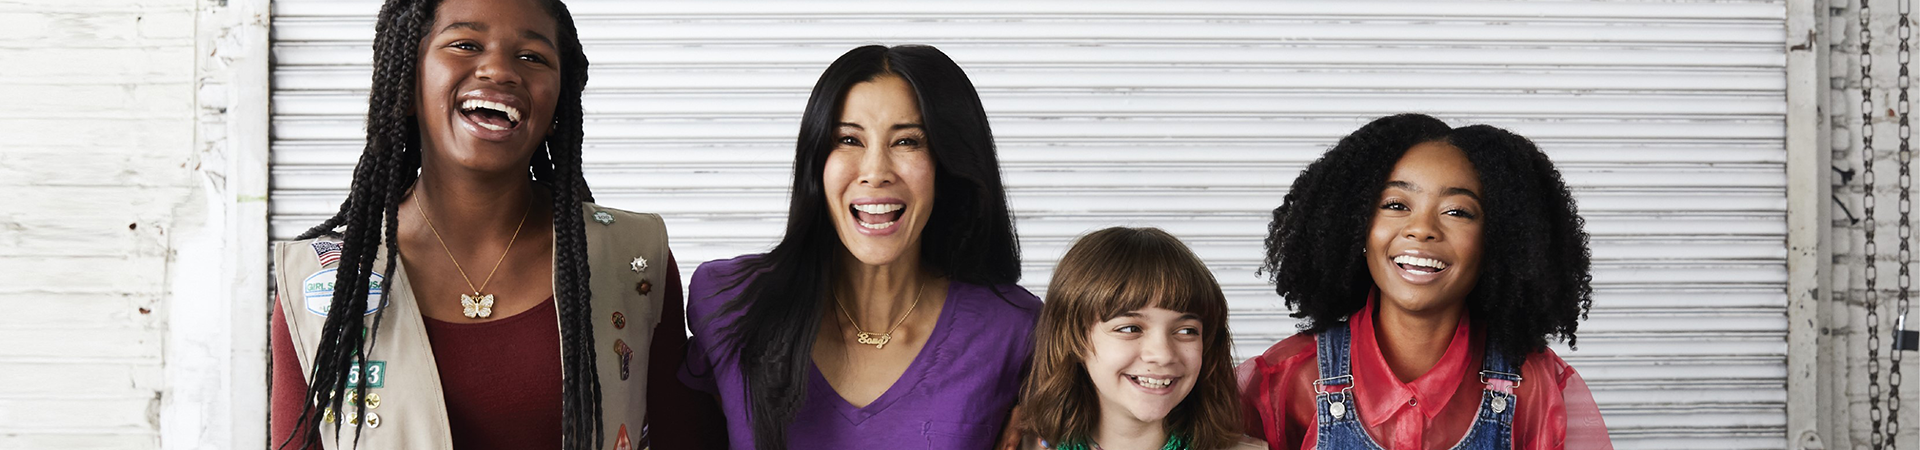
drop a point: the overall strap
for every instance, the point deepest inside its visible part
(1333, 399)
(1336, 368)
(1500, 375)
(1335, 411)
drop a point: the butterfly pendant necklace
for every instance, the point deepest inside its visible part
(476, 305)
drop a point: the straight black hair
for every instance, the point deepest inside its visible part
(388, 166)
(969, 237)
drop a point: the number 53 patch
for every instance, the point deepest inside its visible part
(376, 375)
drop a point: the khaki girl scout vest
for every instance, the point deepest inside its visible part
(626, 257)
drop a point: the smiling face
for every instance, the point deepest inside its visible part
(1144, 362)
(489, 79)
(1425, 245)
(879, 177)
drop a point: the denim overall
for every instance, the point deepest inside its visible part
(1339, 421)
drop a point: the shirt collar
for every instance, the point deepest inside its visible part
(1376, 388)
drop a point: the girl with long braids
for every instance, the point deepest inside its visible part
(468, 294)
(1431, 265)
(887, 316)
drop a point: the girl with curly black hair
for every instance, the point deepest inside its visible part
(468, 294)
(1431, 264)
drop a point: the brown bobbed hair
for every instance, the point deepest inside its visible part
(1108, 273)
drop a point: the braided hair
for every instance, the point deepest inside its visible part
(369, 218)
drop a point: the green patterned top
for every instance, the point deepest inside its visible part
(1173, 443)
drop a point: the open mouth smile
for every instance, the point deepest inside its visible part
(490, 116)
(877, 217)
(1152, 384)
(1419, 270)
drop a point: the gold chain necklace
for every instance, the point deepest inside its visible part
(880, 341)
(475, 305)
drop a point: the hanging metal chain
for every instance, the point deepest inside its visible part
(1902, 107)
(1877, 440)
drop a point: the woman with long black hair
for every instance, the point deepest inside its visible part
(887, 316)
(468, 294)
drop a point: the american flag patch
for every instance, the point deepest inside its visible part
(328, 252)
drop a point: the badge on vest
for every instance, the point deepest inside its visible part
(327, 252)
(625, 354)
(319, 291)
(375, 376)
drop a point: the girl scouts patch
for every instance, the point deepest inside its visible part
(319, 291)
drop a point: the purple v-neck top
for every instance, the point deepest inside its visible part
(955, 395)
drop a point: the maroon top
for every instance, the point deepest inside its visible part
(496, 400)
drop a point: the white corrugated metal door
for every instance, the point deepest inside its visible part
(1666, 117)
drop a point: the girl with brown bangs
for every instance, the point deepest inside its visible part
(1132, 351)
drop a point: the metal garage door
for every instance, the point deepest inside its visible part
(1667, 117)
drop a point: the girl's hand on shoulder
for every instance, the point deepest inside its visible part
(1250, 443)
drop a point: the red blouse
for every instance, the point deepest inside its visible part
(1433, 411)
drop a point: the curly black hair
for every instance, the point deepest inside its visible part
(1535, 280)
